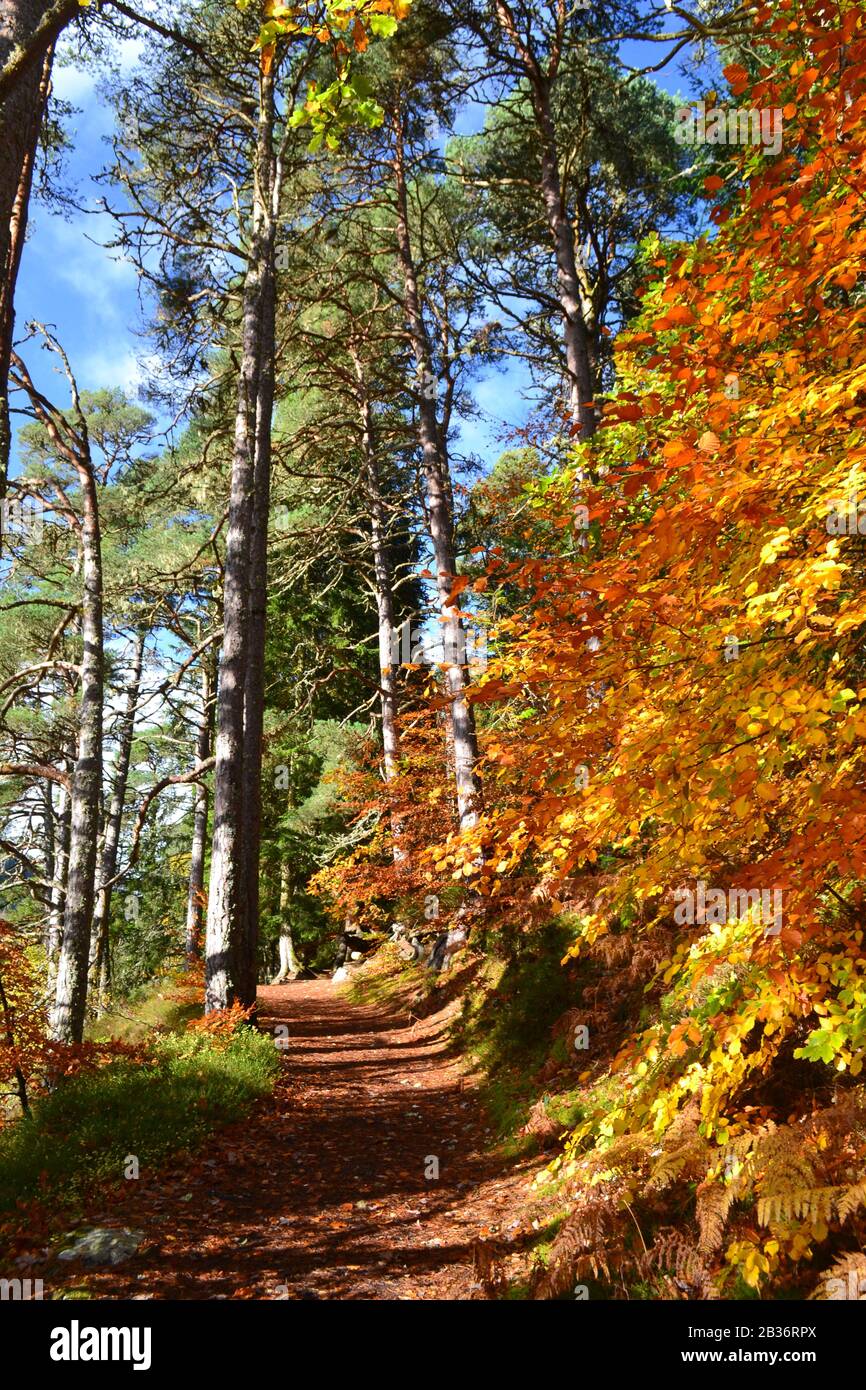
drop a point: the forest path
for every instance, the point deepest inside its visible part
(321, 1192)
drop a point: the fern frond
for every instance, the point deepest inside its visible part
(804, 1204)
(850, 1200)
(679, 1255)
(713, 1206)
(845, 1279)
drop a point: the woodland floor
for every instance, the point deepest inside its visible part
(321, 1192)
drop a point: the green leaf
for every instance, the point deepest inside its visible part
(382, 25)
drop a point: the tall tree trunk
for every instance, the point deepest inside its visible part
(384, 584)
(288, 960)
(254, 691)
(58, 891)
(387, 626)
(227, 952)
(67, 1019)
(114, 820)
(195, 890)
(50, 869)
(225, 893)
(22, 111)
(579, 353)
(437, 481)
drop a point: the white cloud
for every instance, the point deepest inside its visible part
(108, 366)
(77, 84)
(99, 278)
(127, 54)
(71, 83)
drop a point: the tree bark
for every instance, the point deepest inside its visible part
(113, 822)
(384, 584)
(437, 481)
(578, 348)
(21, 115)
(254, 691)
(50, 861)
(384, 603)
(58, 891)
(288, 960)
(67, 1019)
(578, 355)
(227, 972)
(195, 890)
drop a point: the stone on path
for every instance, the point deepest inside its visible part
(102, 1245)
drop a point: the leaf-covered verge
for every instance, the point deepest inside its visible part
(153, 1099)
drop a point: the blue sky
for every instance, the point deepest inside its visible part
(67, 276)
(90, 294)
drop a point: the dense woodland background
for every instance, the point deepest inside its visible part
(298, 641)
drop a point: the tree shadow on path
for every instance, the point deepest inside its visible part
(360, 1178)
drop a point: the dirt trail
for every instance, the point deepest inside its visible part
(322, 1192)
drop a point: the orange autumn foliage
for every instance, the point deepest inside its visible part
(687, 680)
(22, 1033)
(29, 1060)
(221, 1025)
(413, 811)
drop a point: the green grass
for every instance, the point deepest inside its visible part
(385, 983)
(506, 1026)
(149, 1009)
(81, 1134)
(543, 1243)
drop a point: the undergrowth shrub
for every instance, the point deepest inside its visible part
(80, 1133)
